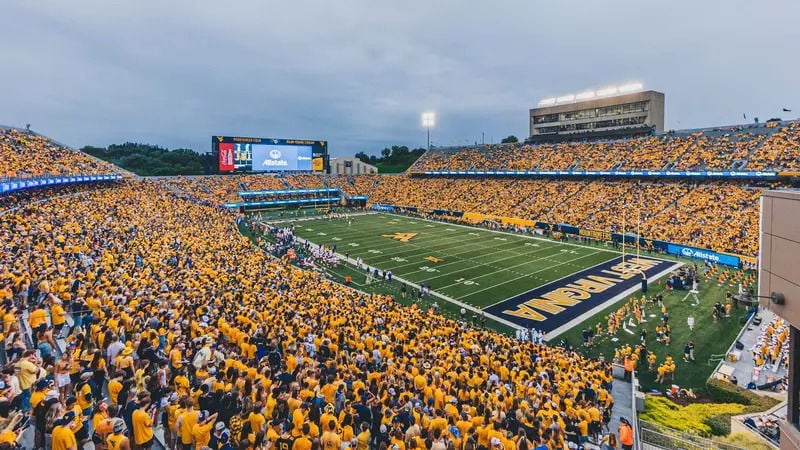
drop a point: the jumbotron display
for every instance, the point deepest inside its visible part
(249, 154)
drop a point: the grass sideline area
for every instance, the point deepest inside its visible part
(710, 338)
(473, 254)
(474, 266)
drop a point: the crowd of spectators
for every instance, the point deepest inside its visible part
(158, 315)
(26, 155)
(226, 188)
(762, 147)
(721, 216)
(772, 345)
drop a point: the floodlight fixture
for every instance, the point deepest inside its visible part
(428, 119)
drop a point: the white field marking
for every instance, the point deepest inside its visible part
(537, 238)
(510, 250)
(525, 275)
(466, 306)
(312, 218)
(557, 280)
(391, 244)
(504, 269)
(459, 259)
(412, 244)
(594, 311)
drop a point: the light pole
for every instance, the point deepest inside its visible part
(428, 120)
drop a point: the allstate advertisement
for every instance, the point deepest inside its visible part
(274, 158)
(708, 255)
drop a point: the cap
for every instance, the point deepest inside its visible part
(119, 426)
(495, 441)
(219, 426)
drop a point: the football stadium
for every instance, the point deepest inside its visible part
(613, 280)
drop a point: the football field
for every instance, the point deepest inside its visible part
(521, 281)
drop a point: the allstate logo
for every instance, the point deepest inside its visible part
(687, 252)
(275, 154)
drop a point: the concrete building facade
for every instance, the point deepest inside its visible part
(779, 289)
(616, 116)
(351, 166)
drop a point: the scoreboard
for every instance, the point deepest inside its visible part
(249, 154)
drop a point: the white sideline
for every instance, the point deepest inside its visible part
(607, 303)
(353, 262)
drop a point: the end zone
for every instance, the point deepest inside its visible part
(559, 305)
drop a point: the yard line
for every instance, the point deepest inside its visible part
(359, 236)
(442, 296)
(364, 243)
(496, 249)
(535, 238)
(485, 265)
(517, 278)
(516, 240)
(407, 244)
(551, 282)
(607, 304)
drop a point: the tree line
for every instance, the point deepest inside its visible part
(396, 158)
(152, 160)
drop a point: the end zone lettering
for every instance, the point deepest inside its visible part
(554, 304)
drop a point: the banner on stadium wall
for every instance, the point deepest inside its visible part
(713, 174)
(289, 192)
(726, 259)
(8, 187)
(303, 201)
(707, 255)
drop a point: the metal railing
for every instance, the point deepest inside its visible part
(637, 440)
(654, 436)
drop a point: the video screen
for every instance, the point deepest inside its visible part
(244, 154)
(275, 158)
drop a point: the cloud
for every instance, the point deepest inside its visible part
(358, 73)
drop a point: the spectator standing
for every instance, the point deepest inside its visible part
(625, 434)
(28, 373)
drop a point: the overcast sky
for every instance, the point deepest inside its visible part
(359, 73)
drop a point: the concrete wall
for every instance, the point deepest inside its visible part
(779, 271)
(780, 252)
(655, 114)
(357, 167)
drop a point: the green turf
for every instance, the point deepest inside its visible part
(477, 267)
(299, 213)
(500, 265)
(710, 338)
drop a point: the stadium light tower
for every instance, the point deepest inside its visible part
(428, 120)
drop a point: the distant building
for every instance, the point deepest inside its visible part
(351, 166)
(596, 114)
